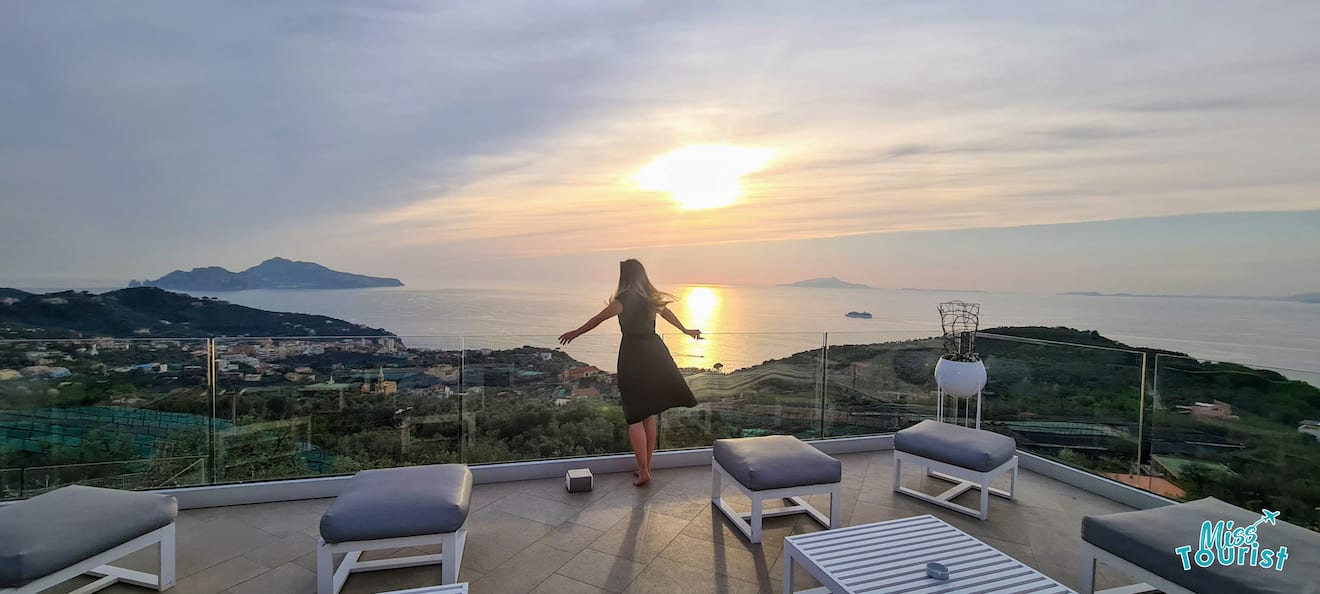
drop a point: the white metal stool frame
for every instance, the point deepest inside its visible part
(791, 495)
(1092, 554)
(964, 480)
(99, 565)
(460, 588)
(330, 579)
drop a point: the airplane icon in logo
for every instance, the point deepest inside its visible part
(1268, 516)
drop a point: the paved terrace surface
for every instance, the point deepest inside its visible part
(533, 536)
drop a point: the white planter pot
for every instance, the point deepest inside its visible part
(960, 378)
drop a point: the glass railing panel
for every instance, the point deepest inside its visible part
(1246, 435)
(746, 385)
(11, 483)
(132, 474)
(299, 407)
(879, 382)
(123, 413)
(1074, 403)
(530, 398)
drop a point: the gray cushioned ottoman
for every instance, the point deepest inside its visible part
(968, 457)
(775, 462)
(774, 467)
(964, 447)
(395, 502)
(1149, 538)
(54, 531)
(396, 508)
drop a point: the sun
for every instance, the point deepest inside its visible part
(701, 304)
(703, 176)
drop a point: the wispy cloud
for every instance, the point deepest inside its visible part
(1199, 104)
(418, 132)
(1089, 133)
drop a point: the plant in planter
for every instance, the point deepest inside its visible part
(960, 371)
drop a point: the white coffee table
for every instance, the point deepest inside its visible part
(892, 556)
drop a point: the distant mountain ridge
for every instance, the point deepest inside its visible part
(275, 273)
(150, 311)
(831, 282)
(1298, 298)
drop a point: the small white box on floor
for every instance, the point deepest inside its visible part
(578, 480)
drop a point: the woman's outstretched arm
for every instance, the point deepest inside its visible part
(610, 311)
(673, 319)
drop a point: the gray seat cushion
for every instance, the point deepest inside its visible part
(1147, 539)
(964, 447)
(776, 462)
(53, 531)
(397, 502)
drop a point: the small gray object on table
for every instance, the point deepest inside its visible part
(578, 480)
(1142, 544)
(395, 508)
(969, 458)
(57, 536)
(774, 467)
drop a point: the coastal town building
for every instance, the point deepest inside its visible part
(578, 373)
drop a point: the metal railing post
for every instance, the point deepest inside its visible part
(212, 378)
(1141, 414)
(462, 401)
(824, 379)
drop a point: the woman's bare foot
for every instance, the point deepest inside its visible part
(642, 479)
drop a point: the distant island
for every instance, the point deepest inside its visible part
(149, 311)
(275, 273)
(1298, 298)
(827, 283)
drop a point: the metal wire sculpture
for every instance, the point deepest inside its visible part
(959, 321)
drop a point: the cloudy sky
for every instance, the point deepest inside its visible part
(994, 145)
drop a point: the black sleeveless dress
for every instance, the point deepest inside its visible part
(649, 381)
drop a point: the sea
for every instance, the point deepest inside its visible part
(746, 325)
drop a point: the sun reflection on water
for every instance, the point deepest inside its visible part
(699, 307)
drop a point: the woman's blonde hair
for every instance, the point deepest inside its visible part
(633, 279)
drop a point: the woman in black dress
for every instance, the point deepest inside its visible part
(649, 381)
